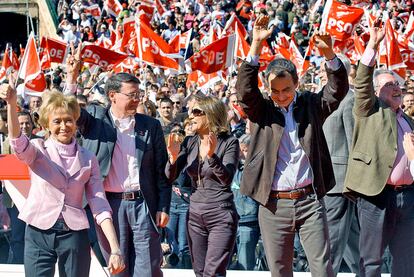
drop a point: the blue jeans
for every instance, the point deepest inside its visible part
(177, 229)
(138, 238)
(246, 240)
(18, 228)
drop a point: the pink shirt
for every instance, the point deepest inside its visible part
(400, 173)
(123, 174)
(60, 176)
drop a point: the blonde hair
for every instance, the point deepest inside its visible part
(54, 100)
(216, 113)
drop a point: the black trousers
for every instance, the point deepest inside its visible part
(43, 248)
(212, 232)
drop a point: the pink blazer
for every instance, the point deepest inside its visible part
(55, 191)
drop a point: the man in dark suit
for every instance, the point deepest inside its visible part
(131, 151)
(288, 168)
(341, 211)
(378, 175)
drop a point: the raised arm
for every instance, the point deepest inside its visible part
(337, 85)
(248, 93)
(364, 88)
(9, 94)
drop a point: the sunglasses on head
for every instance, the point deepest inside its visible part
(197, 112)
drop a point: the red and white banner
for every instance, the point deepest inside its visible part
(52, 50)
(242, 46)
(100, 56)
(155, 4)
(30, 70)
(129, 39)
(93, 10)
(204, 81)
(104, 42)
(395, 61)
(113, 7)
(234, 24)
(340, 20)
(180, 41)
(214, 57)
(153, 49)
(129, 65)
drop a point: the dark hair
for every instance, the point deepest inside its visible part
(114, 83)
(280, 67)
(82, 97)
(181, 85)
(166, 100)
(26, 113)
(3, 114)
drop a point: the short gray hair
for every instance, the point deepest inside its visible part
(378, 72)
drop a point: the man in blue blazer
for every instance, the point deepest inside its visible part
(131, 151)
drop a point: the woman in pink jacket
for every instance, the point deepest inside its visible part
(62, 172)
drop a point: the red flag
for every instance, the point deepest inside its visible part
(214, 57)
(202, 80)
(232, 24)
(104, 42)
(15, 60)
(100, 56)
(408, 57)
(306, 59)
(340, 20)
(153, 49)
(113, 7)
(129, 39)
(395, 61)
(242, 46)
(6, 65)
(159, 6)
(93, 10)
(128, 65)
(30, 69)
(52, 50)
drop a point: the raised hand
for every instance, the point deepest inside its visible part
(8, 91)
(73, 64)
(376, 34)
(212, 143)
(260, 33)
(116, 264)
(173, 147)
(323, 42)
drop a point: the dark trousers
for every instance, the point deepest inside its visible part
(18, 227)
(280, 219)
(43, 248)
(139, 240)
(343, 232)
(177, 233)
(211, 236)
(387, 220)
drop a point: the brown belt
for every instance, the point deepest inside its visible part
(291, 194)
(400, 187)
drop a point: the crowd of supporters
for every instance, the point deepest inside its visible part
(168, 96)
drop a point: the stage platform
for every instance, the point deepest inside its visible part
(97, 271)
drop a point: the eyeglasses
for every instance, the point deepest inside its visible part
(197, 112)
(177, 103)
(132, 95)
(391, 84)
